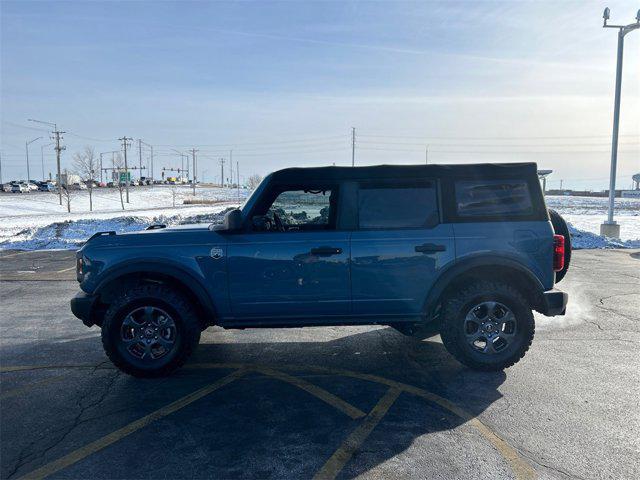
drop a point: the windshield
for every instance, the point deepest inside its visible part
(254, 195)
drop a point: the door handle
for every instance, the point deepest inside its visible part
(326, 251)
(430, 248)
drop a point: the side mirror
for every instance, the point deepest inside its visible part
(233, 220)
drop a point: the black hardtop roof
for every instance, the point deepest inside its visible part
(471, 170)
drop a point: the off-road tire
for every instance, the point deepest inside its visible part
(560, 228)
(160, 296)
(457, 306)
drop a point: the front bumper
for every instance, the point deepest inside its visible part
(82, 307)
(554, 302)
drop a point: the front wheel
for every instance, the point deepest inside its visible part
(487, 326)
(150, 331)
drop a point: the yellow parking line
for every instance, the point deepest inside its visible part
(521, 468)
(119, 434)
(343, 454)
(23, 368)
(316, 391)
(66, 269)
(20, 390)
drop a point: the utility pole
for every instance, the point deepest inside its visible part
(222, 172)
(353, 146)
(426, 155)
(610, 228)
(238, 175)
(0, 168)
(126, 144)
(195, 171)
(58, 149)
(140, 155)
(26, 146)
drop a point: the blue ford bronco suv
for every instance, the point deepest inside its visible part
(466, 251)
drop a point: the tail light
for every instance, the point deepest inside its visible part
(79, 268)
(558, 253)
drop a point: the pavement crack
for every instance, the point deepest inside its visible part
(531, 457)
(614, 312)
(26, 455)
(593, 322)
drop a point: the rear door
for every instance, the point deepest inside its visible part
(399, 247)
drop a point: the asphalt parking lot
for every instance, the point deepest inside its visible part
(344, 402)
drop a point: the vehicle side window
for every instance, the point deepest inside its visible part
(488, 198)
(397, 207)
(305, 209)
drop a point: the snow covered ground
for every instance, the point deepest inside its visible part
(585, 214)
(37, 221)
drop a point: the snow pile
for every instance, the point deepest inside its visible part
(71, 234)
(581, 239)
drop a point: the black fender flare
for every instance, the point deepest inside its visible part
(179, 273)
(465, 265)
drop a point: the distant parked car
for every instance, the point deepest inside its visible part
(111, 184)
(78, 186)
(19, 188)
(31, 186)
(46, 187)
(6, 187)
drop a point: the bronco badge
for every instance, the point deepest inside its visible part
(216, 252)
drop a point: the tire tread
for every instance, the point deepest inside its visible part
(188, 316)
(449, 329)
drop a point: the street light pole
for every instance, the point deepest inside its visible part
(610, 228)
(42, 159)
(26, 146)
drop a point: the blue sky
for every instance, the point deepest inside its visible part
(282, 83)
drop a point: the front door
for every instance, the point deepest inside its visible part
(293, 264)
(399, 248)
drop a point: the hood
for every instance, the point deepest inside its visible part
(168, 236)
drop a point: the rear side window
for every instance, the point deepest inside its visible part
(490, 198)
(397, 207)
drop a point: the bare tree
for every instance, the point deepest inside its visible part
(63, 185)
(86, 164)
(253, 181)
(118, 167)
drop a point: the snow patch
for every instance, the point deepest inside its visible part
(71, 234)
(585, 240)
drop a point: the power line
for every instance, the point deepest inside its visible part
(510, 152)
(261, 143)
(495, 144)
(424, 137)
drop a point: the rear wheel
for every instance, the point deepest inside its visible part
(487, 326)
(150, 331)
(560, 227)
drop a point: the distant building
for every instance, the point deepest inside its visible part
(631, 193)
(635, 193)
(68, 179)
